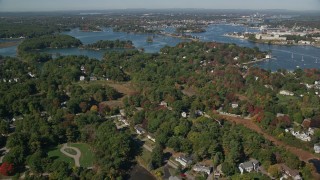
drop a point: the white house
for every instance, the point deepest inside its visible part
(82, 78)
(183, 160)
(234, 105)
(139, 129)
(163, 103)
(303, 136)
(184, 114)
(268, 56)
(316, 148)
(304, 42)
(201, 168)
(151, 138)
(286, 93)
(252, 165)
(31, 75)
(122, 112)
(124, 121)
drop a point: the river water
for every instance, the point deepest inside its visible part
(286, 57)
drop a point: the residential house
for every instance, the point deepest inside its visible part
(31, 75)
(288, 172)
(184, 161)
(306, 123)
(304, 136)
(163, 103)
(139, 129)
(304, 42)
(311, 123)
(199, 113)
(201, 168)
(82, 68)
(82, 78)
(280, 115)
(122, 112)
(124, 121)
(93, 78)
(184, 114)
(316, 148)
(16, 118)
(317, 84)
(149, 136)
(252, 165)
(234, 105)
(286, 93)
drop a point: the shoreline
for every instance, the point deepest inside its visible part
(180, 37)
(257, 61)
(9, 44)
(267, 42)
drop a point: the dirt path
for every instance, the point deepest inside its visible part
(75, 157)
(301, 154)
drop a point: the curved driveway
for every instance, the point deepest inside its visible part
(75, 157)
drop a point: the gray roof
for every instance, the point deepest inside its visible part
(248, 164)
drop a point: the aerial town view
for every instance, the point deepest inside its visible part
(160, 90)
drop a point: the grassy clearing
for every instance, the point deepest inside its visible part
(87, 156)
(285, 100)
(126, 88)
(144, 159)
(71, 151)
(56, 155)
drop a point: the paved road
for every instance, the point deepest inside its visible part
(75, 157)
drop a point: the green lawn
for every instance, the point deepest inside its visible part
(86, 159)
(56, 155)
(146, 156)
(71, 151)
(285, 100)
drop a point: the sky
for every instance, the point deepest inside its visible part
(57, 5)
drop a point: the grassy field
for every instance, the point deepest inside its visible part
(125, 88)
(144, 159)
(56, 155)
(285, 100)
(86, 159)
(71, 151)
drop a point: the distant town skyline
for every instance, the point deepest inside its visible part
(58, 5)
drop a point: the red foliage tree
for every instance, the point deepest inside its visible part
(6, 169)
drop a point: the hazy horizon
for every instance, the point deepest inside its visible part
(61, 5)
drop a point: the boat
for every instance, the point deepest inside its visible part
(269, 56)
(149, 39)
(302, 59)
